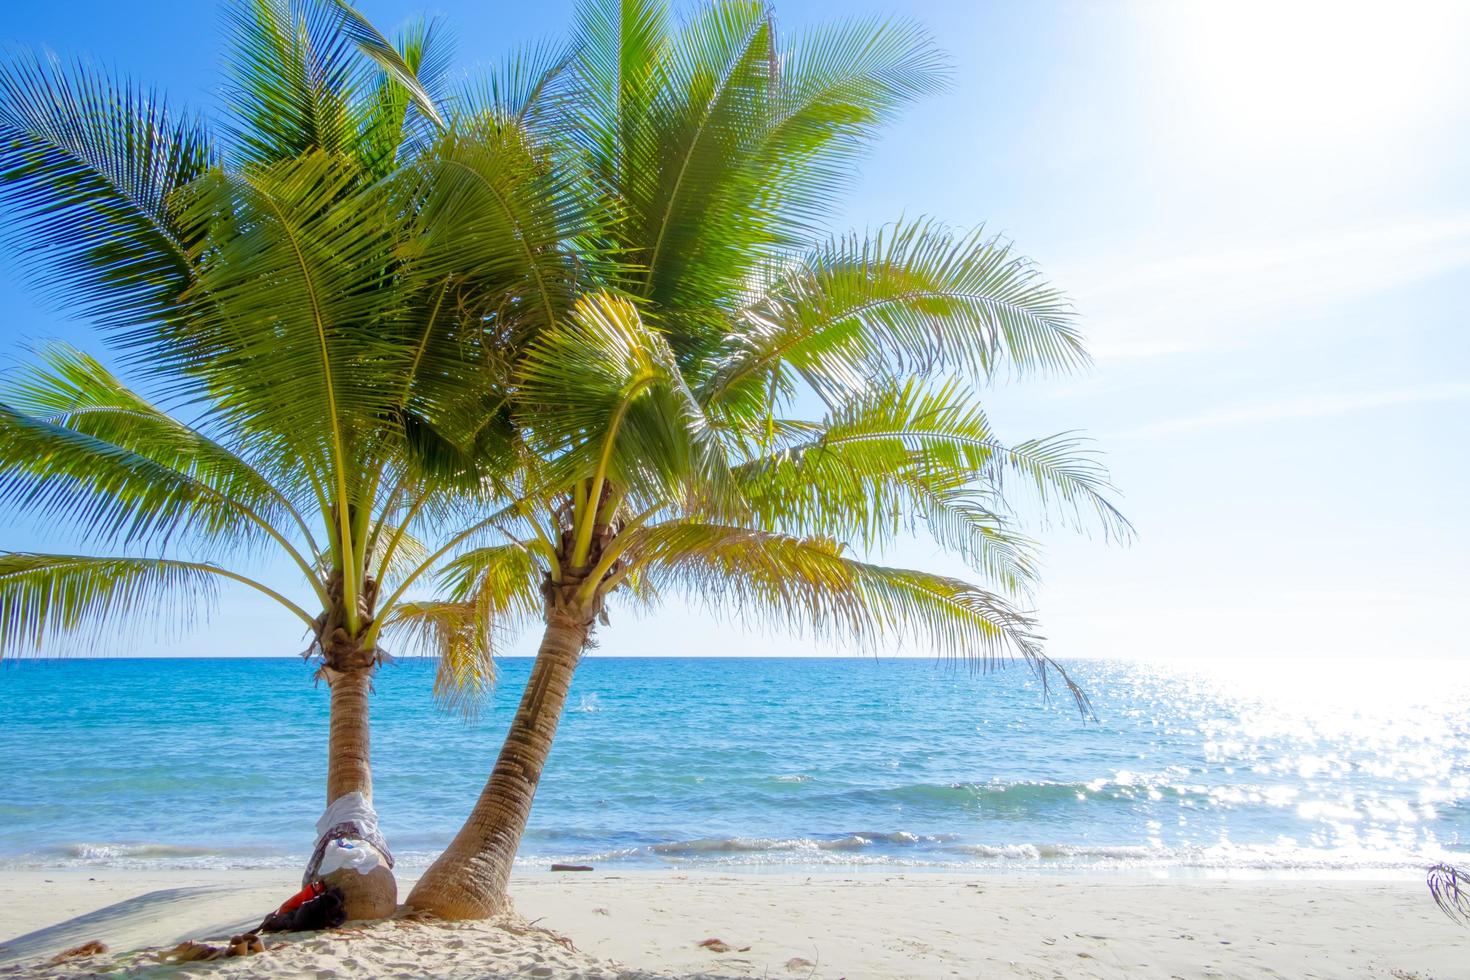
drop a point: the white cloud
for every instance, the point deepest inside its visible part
(1313, 406)
(1149, 306)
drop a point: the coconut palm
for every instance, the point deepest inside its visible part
(318, 363)
(740, 416)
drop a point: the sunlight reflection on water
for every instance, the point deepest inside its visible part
(1193, 767)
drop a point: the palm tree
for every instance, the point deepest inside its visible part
(739, 415)
(300, 291)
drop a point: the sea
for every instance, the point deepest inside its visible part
(1248, 767)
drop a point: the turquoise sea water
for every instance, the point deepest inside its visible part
(1257, 766)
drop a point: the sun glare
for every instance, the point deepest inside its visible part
(1273, 73)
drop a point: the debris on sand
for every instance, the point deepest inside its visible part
(92, 948)
(190, 951)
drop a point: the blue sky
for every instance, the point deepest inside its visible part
(1262, 215)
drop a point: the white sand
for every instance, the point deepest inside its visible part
(827, 925)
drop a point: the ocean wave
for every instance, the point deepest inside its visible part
(856, 840)
(104, 852)
(185, 857)
(1025, 796)
(876, 849)
(901, 849)
(145, 856)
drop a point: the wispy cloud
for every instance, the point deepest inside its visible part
(1314, 406)
(1148, 306)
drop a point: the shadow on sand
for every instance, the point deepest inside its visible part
(150, 919)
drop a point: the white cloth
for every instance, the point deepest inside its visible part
(350, 808)
(358, 855)
(348, 837)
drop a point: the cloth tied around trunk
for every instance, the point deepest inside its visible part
(347, 837)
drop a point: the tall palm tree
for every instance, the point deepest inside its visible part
(737, 414)
(296, 293)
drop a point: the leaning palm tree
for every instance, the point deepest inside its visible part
(742, 417)
(319, 363)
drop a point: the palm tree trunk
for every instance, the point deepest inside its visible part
(349, 769)
(349, 764)
(469, 879)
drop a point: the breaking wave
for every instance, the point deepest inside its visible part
(901, 849)
(877, 849)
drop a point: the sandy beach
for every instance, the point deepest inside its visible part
(651, 924)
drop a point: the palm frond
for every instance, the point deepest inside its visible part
(866, 469)
(501, 222)
(46, 598)
(962, 522)
(401, 111)
(969, 623)
(530, 87)
(292, 335)
(602, 390)
(1450, 888)
(839, 84)
(786, 149)
(810, 583)
(460, 638)
(886, 453)
(716, 97)
(409, 551)
(88, 169)
(1066, 477)
(491, 591)
(294, 83)
(402, 63)
(620, 59)
(506, 579)
(912, 299)
(68, 389)
(109, 493)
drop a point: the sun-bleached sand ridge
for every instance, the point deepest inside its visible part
(650, 924)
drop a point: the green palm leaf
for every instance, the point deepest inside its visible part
(620, 60)
(530, 87)
(460, 638)
(109, 493)
(809, 583)
(72, 390)
(491, 590)
(88, 170)
(719, 80)
(962, 522)
(857, 473)
(45, 597)
(603, 397)
(893, 451)
(294, 81)
(838, 85)
(499, 220)
(1066, 477)
(401, 110)
(912, 299)
(504, 579)
(293, 294)
(404, 64)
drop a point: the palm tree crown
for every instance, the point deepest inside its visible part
(737, 408)
(298, 291)
(575, 324)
